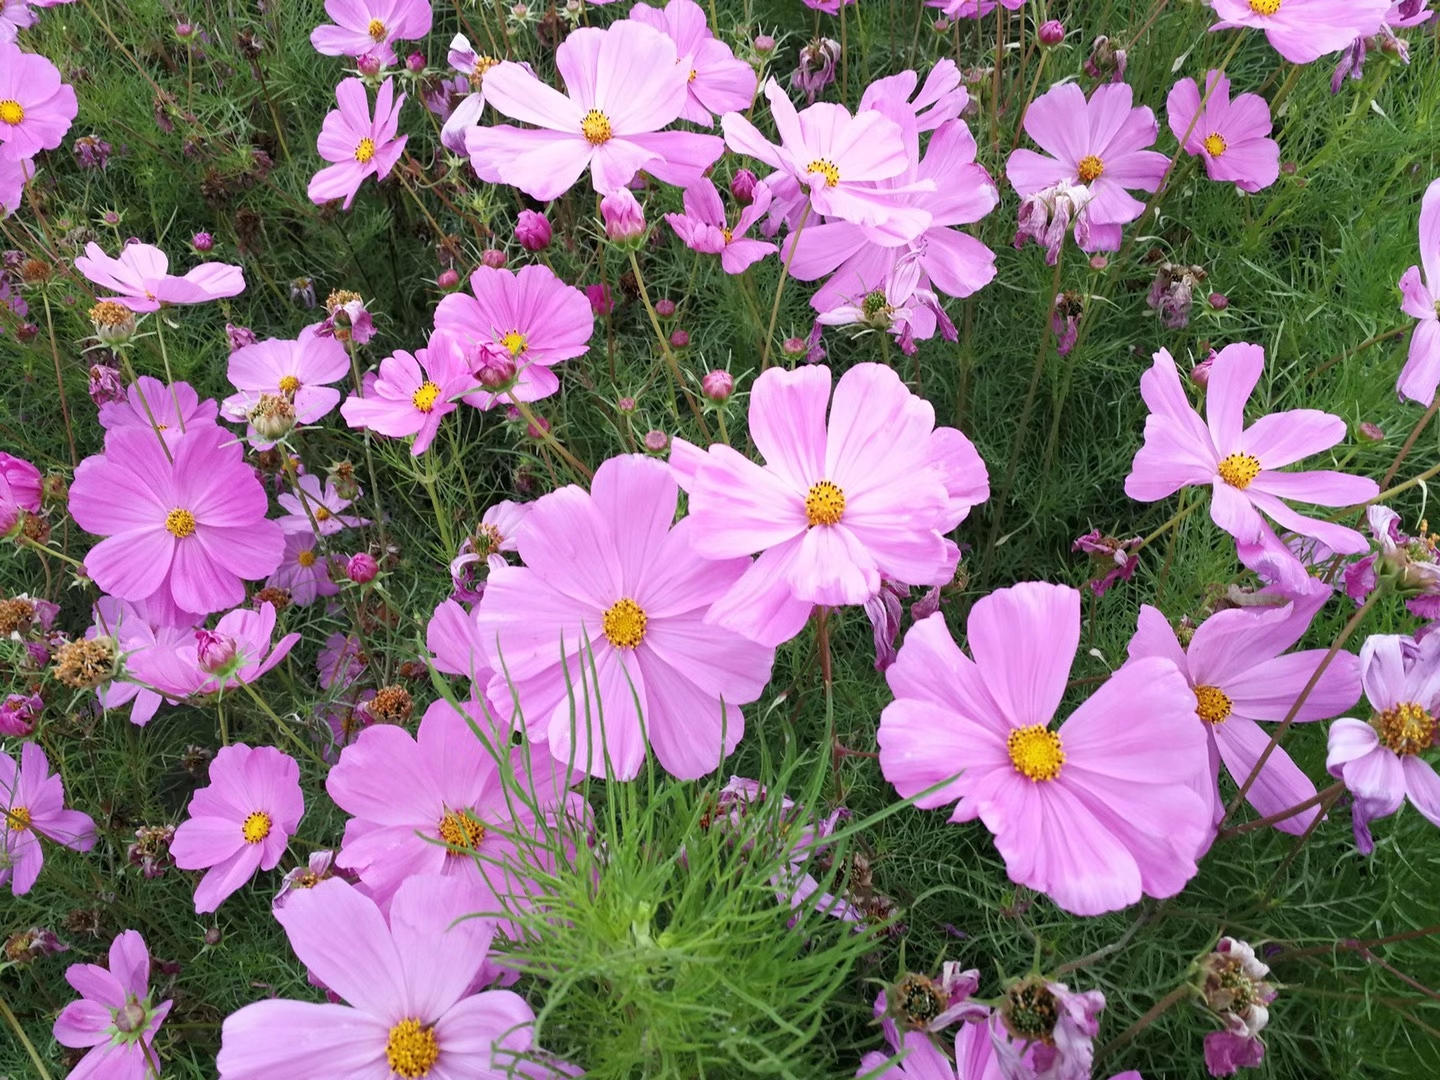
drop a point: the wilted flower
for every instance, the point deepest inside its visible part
(1172, 294)
(1065, 321)
(18, 713)
(1047, 215)
(1105, 61)
(1115, 561)
(26, 946)
(319, 867)
(271, 417)
(86, 664)
(114, 323)
(1409, 564)
(239, 336)
(817, 68)
(91, 152)
(151, 849)
(1058, 1025)
(1232, 982)
(302, 292)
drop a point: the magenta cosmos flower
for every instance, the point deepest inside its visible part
(1095, 813)
(137, 629)
(408, 983)
(838, 158)
(940, 99)
(719, 83)
(241, 822)
(300, 370)
(1238, 675)
(1232, 138)
(15, 15)
(602, 633)
(371, 27)
(440, 802)
(411, 394)
(531, 315)
(1421, 300)
(623, 84)
(358, 145)
(1238, 463)
(141, 276)
(150, 404)
(32, 803)
(702, 226)
(191, 529)
(1380, 761)
(1304, 30)
(1100, 143)
(115, 1018)
(837, 506)
(973, 9)
(237, 651)
(20, 490)
(36, 108)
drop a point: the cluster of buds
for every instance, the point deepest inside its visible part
(1172, 294)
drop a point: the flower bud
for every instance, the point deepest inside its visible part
(131, 1018)
(369, 65)
(533, 230)
(664, 308)
(718, 385)
(1052, 33)
(448, 280)
(657, 442)
(493, 258)
(212, 935)
(1219, 301)
(272, 417)
(742, 186)
(202, 242)
(215, 652)
(239, 336)
(602, 302)
(114, 323)
(493, 367)
(624, 217)
(1200, 373)
(361, 567)
(415, 62)
(793, 346)
(679, 339)
(1368, 432)
(184, 31)
(626, 405)
(764, 44)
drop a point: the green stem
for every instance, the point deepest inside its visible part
(284, 727)
(670, 361)
(780, 289)
(59, 379)
(14, 1023)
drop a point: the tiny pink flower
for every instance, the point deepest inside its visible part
(320, 508)
(36, 108)
(702, 227)
(303, 572)
(141, 277)
(115, 1018)
(412, 393)
(1232, 138)
(371, 27)
(32, 807)
(1303, 30)
(300, 370)
(358, 145)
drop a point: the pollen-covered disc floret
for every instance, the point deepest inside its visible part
(365, 151)
(595, 126)
(426, 396)
(824, 504)
(1212, 704)
(1239, 470)
(1215, 144)
(919, 1000)
(1091, 168)
(826, 168)
(624, 624)
(180, 523)
(18, 818)
(515, 341)
(460, 829)
(376, 30)
(1265, 7)
(1029, 1012)
(1036, 752)
(1407, 729)
(11, 111)
(411, 1049)
(257, 826)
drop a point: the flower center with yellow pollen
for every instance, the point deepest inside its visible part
(1215, 144)
(1035, 752)
(19, 818)
(180, 523)
(1239, 470)
(826, 168)
(460, 830)
(1264, 7)
(595, 126)
(376, 30)
(1406, 729)
(515, 342)
(624, 624)
(11, 111)
(1090, 168)
(306, 559)
(411, 1050)
(424, 398)
(365, 151)
(824, 504)
(257, 827)
(1212, 704)
(289, 384)
(322, 514)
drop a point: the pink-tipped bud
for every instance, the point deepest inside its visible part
(361, 567)
(793, 346)
(1219, 301)
(215, 652)
(1368, 432)
(742, 187)
(602, 302)
(369, 65)
(1052, 33)
(184, 30)
(626, 405)
(657, 442)
(679, 339)
(533, 230)
(448, 279)
(1200, 373)
(493, 258)
(415, 62)
(538, 432)
(493, 368)
(718, 385)
(1098, 262)
(764, 44)
(624, 217)
(664, 308)
(202, 242)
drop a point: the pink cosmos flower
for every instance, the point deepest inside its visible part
(141, 276)
(299, 370)
(829, 7)
(371, 27)
(149, 403)
(1239, 463)
(437, 803)
(340, 661)
(1303, 30)
(1421, 300)
(973, 9)
(1380, 760)
(604, 640)
(702, 226)
(1100, 143)
(838, 159)
(1238, 675)
(22, 485)
(623, 84)
(941, 99)
(136, 629)
(1056, 1042)
(1094, 814)
(454, 638)
(902, 305)
(836, 506)
(241, 822)
(411, 394)
(358, 145)
(496, 533)
(324, 506)
(531, 316)
(36, 108)
(719, 83)
(114, 1018)
(191, 529)
(1232, 138)
(472, 67)
(303, 571)
(1410, 564)
(1235, 990)
(15, 15)
(408, 984)
(15, 171)
(236, 651)
(32, 805)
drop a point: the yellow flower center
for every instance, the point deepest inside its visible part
(257, 827)
(376, 30)
(826, 168)
(725, 232)
(461, 830)
(1091, 168)
(624, 624)
(1035, 752)
(693, 73)
(1212, 704)
(1406, 729)
(365, 151)
(1215, 144)
(595, 126)
(19, 818)
(411, 1049)
(824, 504)
(1264, 7)
(515, 342)
(322, 514)
(1238, 470)
(424, 399)
(308, 880)
(289, 384)
(306, 558)
(11, 111)
(180, 523)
